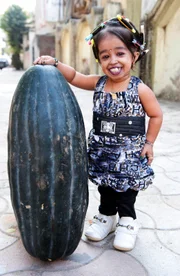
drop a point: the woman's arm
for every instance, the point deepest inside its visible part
(154, 112)
(75, 78)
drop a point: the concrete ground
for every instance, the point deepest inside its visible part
(157, 251)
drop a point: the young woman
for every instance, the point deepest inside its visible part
(120, 150)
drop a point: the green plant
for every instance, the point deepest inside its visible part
(13, 22)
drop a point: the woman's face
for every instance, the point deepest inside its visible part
(115, 58)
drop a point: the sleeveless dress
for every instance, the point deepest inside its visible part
(115, 160)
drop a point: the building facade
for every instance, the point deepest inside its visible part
(61, 27)
(161, 69)
(40, 40)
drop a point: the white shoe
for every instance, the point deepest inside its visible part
(126, 234)
(101, 226)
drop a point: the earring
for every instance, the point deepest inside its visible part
(132, 65)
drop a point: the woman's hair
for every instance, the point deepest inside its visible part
(122, 28)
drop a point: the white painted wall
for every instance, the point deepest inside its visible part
(46, 14)
(54, 10)
(147, 6)
(167, 60)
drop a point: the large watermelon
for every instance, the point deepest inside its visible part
(47, 163)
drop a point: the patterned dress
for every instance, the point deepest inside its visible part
(115, 160)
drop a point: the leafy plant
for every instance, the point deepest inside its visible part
(13, 22)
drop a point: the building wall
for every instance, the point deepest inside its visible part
(65, 57)
(172, 49)
(41, 40)
(165, 52)
(54, 10)
(26, 52)
(83, 49)
(28, 49)
(147, 6)
(46, 45)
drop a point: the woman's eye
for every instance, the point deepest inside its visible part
(120, 54)
(105, 57)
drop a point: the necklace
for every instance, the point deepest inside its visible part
(114, 95)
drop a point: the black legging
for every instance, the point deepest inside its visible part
(112, 202)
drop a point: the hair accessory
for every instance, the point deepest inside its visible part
(95, 31)
(89, 37)
(92, 42)
(102, 24)
(141, 46)
(146, 51)
(126, 23)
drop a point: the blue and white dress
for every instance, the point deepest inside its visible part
(115, 160)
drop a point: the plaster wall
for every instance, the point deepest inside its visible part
(112, 9)
(43, 17)
(65, 58)
(29, 52)
(147, 6)
(167, 62)
(26, 52)
(84, 49)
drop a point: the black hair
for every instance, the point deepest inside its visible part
(125, 34)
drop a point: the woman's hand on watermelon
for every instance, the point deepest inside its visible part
(44, 60)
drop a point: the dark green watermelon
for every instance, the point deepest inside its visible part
(47, 163)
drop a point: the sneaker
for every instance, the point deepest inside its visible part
(101, 226)
(126, 234)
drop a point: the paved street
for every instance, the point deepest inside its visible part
(157, 251)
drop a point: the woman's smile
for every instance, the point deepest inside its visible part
(115, 70)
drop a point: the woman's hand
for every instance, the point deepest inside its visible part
(44, 60)
(148, 152)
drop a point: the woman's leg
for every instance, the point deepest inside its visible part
(125, 203)
(105, 222)
(107, 205)
(127, 227)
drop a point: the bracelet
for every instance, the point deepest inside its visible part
(149, 143)
(56, 62)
